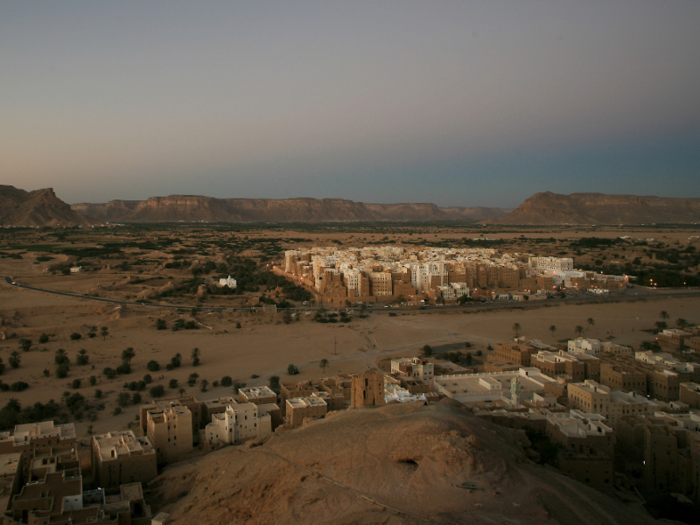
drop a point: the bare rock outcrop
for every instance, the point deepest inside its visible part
(37, 208)
(399, 464)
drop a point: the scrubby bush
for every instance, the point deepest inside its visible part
(153, 366)
(157, 391)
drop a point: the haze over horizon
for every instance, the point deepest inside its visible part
(452, 102)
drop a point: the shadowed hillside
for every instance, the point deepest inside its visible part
(37, 208)
(399, 464)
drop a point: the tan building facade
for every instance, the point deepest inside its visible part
(170, 432)
(300, 409)
(120, 458)
(34, 436)
(368, 389)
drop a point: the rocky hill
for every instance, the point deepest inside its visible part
(194, 208)
(37, 208)
(597, 208)
(399, 464)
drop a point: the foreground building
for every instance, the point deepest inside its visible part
(31, 437)
(170, 431)
(590, 396)
(120, 458)
(472, 388)
(300, 409)
(238, 423)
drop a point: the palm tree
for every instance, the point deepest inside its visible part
(590, 322)
(323, 364)
(552, 329)
(104, 331)
(60, 356)
(128, 355)
(181, 391)
(664, 315)
(681, 323)
(516, 329)
(578, 330)
(195, 357)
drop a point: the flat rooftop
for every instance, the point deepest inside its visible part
(9, 463)
(46, 429)
(476, 387)
(224, 401)
(257, 392)
(302, 402)
(122, 443)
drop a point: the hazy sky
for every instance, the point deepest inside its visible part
(455, 102)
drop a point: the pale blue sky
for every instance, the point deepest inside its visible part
(459, 103)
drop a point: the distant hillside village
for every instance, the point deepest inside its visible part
(388, 272)
(613, 418)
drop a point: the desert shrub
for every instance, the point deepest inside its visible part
(75, 336)
(153, 366)
(157, 391)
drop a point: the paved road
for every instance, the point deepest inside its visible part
(9, 281)
(630, 294)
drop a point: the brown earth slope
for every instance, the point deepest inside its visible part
(194, 208)
(597, 208)
(37, 208)
(399, 464)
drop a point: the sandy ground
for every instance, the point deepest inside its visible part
(264, 346)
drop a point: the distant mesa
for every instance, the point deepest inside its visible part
(597, 208)
(195, 208)
(38, 208)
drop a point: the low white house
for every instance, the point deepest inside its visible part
(228, 281)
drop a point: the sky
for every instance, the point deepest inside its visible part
(459, 103)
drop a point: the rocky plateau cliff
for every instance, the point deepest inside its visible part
(195, 208)
(597, 208)
(37, 208)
